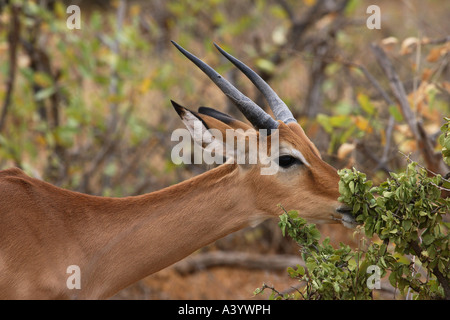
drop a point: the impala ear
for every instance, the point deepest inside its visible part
(211, 140)
(189, 118)
(218, 134)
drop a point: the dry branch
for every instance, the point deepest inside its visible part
(296, 42)
(425, 144)
(273, 262)
(114, 79)
(397, 88)
(442, 278)
(13, 41)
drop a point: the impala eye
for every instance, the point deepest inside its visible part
(288, 161)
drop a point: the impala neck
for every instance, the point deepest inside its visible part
(156, 230)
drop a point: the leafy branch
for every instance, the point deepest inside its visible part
(405, 212)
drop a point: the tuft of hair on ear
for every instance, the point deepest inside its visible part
(182, 111)
(178, 108)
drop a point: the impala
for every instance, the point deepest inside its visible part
(115, 242)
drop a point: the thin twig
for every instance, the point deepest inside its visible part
(382, 163)
(397, 88)
(424, 143)
(408, 158)
(114, 84)
(443, 40)
(442, 279)
(13, 40)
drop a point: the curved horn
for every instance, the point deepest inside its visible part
(279, 108)
(257, 116)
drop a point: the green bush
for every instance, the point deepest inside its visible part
(444, 140)
(405, 212)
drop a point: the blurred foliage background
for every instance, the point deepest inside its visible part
(89, 109)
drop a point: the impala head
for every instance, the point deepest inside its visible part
(301, 180)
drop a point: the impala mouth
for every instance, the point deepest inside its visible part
(346, 217)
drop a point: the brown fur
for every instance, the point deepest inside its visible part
(117, 241)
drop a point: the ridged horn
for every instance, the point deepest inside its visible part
(279, 108)
(257, 116)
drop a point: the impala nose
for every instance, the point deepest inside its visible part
(347, 218)
(344, 209)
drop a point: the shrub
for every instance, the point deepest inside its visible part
(403, 215)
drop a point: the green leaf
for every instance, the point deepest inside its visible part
(427, 238)
(356, 207)
(300, 270)
(293, 214)
(351, 186)
(44, 93)
(340, 121)
(407, 224)
(395, 112)
(283, 229)
(365, 103)
(393, 279)
(265, 65)
(324, 121)
(315, 234)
